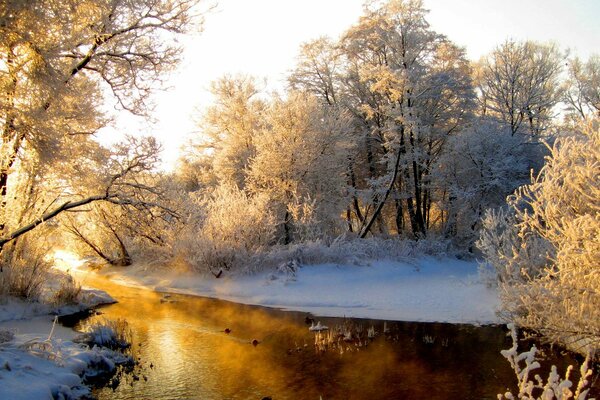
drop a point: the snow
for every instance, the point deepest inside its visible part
(38, 358)
(427, 289)
(318, 327)
(34, 368)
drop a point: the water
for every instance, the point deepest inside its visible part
(185, 353)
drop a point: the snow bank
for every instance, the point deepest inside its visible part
(31, 368)
(428, 289)
(13, 309)
(40, 360)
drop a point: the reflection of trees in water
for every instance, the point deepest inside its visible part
(192, 357)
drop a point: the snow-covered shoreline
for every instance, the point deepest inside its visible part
(40, 359)
(427, 289)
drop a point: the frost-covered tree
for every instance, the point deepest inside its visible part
(519, 84)
(59, 62)
(410, 88)
(231, 125)
(142, 217)
(318, 69)
(300, 163)
(551, 244)
(479, 168)
(582, 88)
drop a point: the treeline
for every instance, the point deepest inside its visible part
(389, 131)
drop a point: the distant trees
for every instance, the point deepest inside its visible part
(407, 89)
(300, 164)
(519, 84)
(389, 130)
(480, 167)
(582, 88)
(231, 126)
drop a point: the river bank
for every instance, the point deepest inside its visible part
(41, 359)
(426, 289)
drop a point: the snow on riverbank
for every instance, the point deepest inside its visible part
(36, 368)
(428, 289)
(39, 359)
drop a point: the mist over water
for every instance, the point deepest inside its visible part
(185, 352)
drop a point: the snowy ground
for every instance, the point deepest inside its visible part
(429, 289)
(39, 359)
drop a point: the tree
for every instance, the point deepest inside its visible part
(318, 70)
(300, 163)
(411, 87)
(478, 169)
(141, 218)
(231, 126)
(519, 84)
(582, 88)
(115, 181)
(58, 61)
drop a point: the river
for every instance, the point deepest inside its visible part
(198, 348)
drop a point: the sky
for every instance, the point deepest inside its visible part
(262, 38)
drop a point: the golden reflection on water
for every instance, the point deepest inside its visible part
(185, 353)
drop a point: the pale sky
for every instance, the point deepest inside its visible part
(262, 38)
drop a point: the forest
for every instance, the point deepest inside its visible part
(386, 136)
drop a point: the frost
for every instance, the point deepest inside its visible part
(556, 387)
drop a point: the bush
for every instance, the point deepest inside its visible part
(24, 272)
(554, 387)
(546, 253)
(113, 334)
(235, 225)
(68, 292)
(512, 258)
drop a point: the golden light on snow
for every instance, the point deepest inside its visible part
(66, 260)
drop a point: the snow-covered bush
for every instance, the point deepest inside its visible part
(556, 217)
(113, 334)
(235, 225)
(24, 271)
(347, 251)
(511, 257)
(555, 387)
(68, 291)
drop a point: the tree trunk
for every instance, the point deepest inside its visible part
(357, 211)
(399, 216)
(125, 259)
(349, 219)
(377, 212)
(8, 153)
(451, 228)
(287, 237)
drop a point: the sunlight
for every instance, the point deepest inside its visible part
(64, 260)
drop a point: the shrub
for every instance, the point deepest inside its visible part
(24, 272)
(546, 253)
(68, 292)
(114, 334)
(554, 387)
(235, 225)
